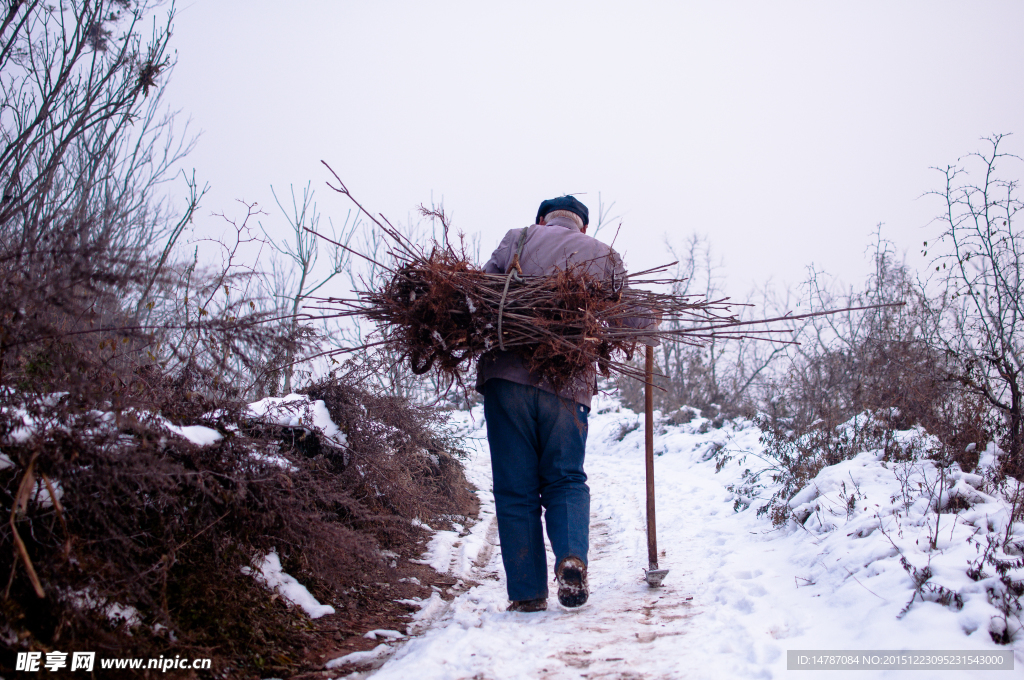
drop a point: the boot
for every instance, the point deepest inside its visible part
(571, 575)
(527, 605)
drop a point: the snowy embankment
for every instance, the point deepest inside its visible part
(294, 410)
(740, 592)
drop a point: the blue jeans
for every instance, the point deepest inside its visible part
(537, 442)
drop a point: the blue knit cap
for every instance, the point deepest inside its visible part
(564, 203)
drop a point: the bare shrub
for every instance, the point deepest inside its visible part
(979, 273)
(723, 376)
(95, 298)
(947, 359)
(84, 152)
(884, 361)
(856, 378)
(217, 328)
(865, 360)
(401, 463)
(144, 520)
(795, 457)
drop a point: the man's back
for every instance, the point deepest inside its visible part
(538, 439)
(556, 245)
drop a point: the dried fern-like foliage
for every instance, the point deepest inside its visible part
(109, 511)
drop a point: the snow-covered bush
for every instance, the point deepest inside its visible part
(875, 498)
(129, 511)
(789, 460)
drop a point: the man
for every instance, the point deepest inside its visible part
(537, 435)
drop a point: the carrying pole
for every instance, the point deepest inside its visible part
(654, 575)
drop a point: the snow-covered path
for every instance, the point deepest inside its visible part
(739, 594)
(627, 630)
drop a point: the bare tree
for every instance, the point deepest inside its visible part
(84, 149)
(690, 371)
(96, 298)
(980, 272)
(296, 280)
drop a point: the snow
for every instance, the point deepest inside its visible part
(200, 435)
(278, 461)
(117, 613)
(42, 496)
(383, 633)
(457, 552)
(270, 573)
(740, 593)
(298, 410)
(359, 657)
(32, 425)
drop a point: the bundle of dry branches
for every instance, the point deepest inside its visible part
(440, 311)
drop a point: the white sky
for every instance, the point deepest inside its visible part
(785, 131)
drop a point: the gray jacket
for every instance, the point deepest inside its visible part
(550, 247)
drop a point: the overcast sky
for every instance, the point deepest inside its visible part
(785, 131)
